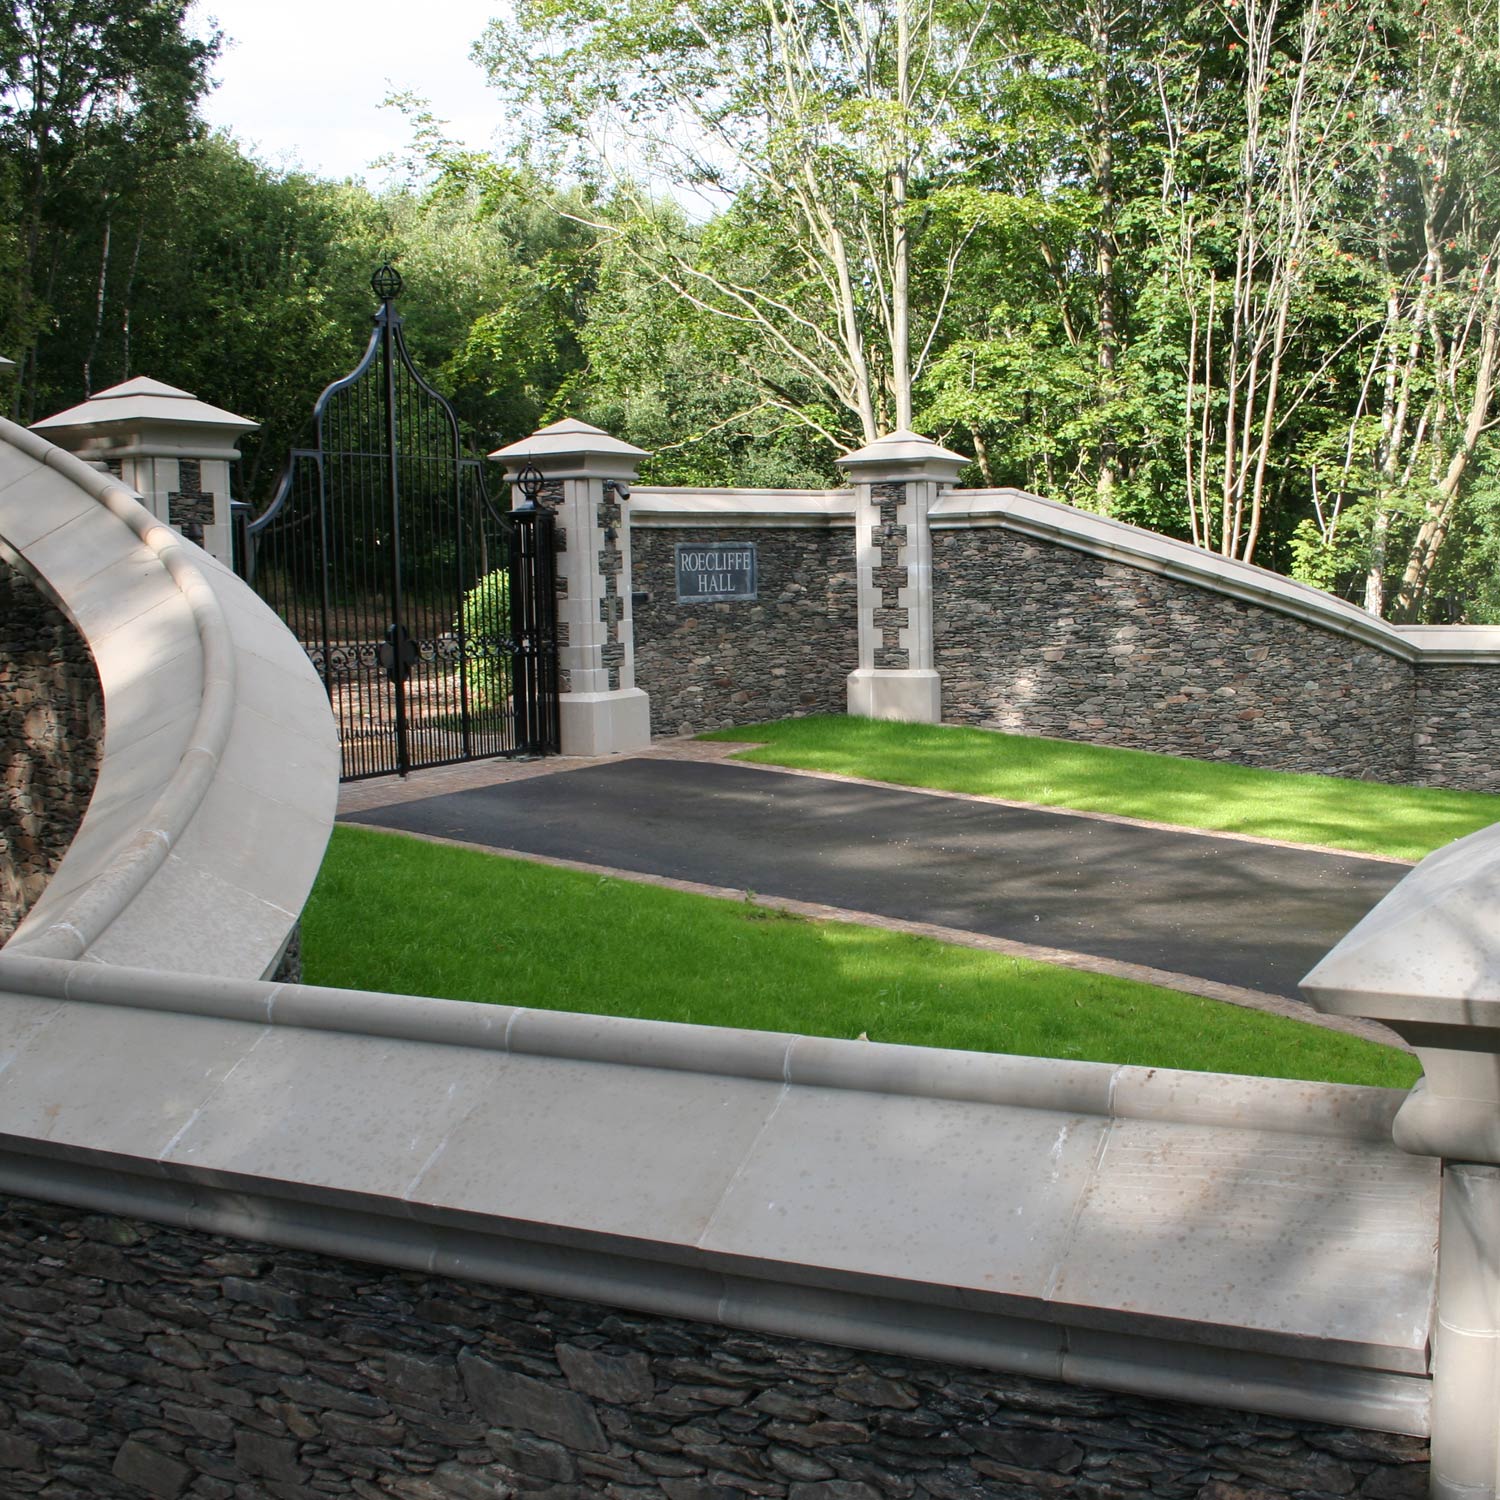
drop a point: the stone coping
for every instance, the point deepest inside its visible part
(218, 776)
(1111, 1090)
(663, 506)
(1208, 1237)
(1132, 545)
(1454, 643)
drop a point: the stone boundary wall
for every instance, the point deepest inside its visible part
(1456, 726)
(1037, 638)
(137, 1360)
(784, 654)
(51, 729)
(1126, 638)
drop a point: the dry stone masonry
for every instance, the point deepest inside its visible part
(611, 605)
(137, 1360)
(189, 506)
(51, 725)
(1035, 638)
(709, 665)
(1456, 742)
(1030, 635)
(891, 616)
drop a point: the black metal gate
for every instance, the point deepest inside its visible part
(429, 613)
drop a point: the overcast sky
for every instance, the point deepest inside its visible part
(300, 81)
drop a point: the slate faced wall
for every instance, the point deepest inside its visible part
(1036, 638)
(51, 726)
(1457, 736)
(143, 1361)
(784, 654)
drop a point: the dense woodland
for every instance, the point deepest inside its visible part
(1229, 269)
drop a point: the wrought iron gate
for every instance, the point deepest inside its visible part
(429, 613)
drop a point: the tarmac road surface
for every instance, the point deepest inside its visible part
(1254, 915)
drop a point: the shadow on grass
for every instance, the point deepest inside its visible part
(460, 924)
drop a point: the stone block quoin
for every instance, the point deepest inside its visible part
(891, 616)
(611, 606)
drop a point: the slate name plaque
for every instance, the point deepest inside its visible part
(720, 570)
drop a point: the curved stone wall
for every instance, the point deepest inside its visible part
(51, 726)
(218, 775)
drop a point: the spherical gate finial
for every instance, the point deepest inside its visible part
(386, 283)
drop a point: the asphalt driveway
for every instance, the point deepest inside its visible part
(1240, 913)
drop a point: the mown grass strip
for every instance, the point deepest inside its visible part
(400, 915)
(1364, 816)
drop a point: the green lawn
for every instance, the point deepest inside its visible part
(397, 914)
(1404, 822)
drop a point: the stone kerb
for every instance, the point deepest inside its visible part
(602, 711)
(897, 480)
(218, 776)
(1426, 963)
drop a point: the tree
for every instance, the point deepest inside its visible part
(95, 95)
(821, 130)
(1261, 109)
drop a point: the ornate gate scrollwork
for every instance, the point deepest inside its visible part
(429, 613)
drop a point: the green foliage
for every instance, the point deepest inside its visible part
(1098, 205)
(97, 100)
(484, 622)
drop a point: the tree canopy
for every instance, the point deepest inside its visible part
(1224, 268)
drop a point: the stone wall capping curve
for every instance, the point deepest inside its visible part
(1335, 1111)
(115, 886)
(1064, 525)
(139, 593)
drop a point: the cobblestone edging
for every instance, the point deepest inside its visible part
(1041, 639)
(138, 1360)
(51, 727)
(743, 661)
